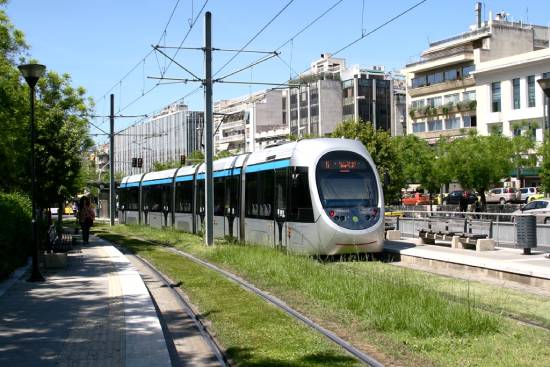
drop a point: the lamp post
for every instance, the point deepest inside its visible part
(31, 73)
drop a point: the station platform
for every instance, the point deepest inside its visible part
(94, 312)
(504, 264)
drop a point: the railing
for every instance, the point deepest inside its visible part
(502, 227)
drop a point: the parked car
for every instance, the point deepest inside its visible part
(503, 195)
(541, 208)
(416, 199)
(537, 196)
(454, 197)
(527, 192)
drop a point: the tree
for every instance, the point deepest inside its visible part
(14, 114)
(422, 163)
(161, 166)
(544, 152)
(522, 144)
(479, 162)
(62, 138)
(196, 157)
(62, 134)
(383, 151)
(223, 154)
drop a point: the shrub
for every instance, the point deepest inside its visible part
(15, 231)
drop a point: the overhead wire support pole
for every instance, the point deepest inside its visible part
(209, 235)
(112, 206)
(175, 62)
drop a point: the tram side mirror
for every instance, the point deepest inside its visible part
(387, 179)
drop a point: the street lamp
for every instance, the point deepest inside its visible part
(545, 85)
(31, 73)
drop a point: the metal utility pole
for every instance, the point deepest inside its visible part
(112, 204)
(209, 217)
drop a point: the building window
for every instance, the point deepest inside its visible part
(531, 91)
(451, 98)
(516, 94)
(452, 123)
(495, 97)
(435, 78)
(419, 127)
(469, 95)
(546, 75)
(470, 121)
(467, 70)
(419, 82)
(419, 103)
(435, 125)
(434, 102)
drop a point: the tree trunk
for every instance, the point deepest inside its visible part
(60, 210)
(483, 201)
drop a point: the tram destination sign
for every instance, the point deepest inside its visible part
(343, 164)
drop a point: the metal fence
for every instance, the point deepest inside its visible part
(499, 226)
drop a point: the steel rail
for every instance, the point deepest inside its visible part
(363, 357)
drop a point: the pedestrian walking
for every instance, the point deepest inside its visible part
(463, 204)
(86, 216)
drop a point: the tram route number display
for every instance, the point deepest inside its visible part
(342, 164)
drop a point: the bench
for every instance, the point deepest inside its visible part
(59, 243)
(461, 232)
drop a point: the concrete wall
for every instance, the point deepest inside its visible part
(330, 105)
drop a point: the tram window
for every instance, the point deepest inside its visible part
(281, 178)
(152, 198)
(122, 198)
(219, 188)
(184, 197)
(132, 198)
(166, 196)
(299, 198)
(232, 194)
(200, 197)
(259, 194)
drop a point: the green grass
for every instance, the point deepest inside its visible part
(253, 332)
(412, 317)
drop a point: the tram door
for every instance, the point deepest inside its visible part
(280, 196)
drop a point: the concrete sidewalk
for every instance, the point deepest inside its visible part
(503, 263)
(96, 312)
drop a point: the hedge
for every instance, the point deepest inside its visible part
(15, 231)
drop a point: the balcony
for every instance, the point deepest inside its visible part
(433, 136)
(428, 111)
(231, 138)
(442, 87)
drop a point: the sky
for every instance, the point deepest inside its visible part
(106, 46)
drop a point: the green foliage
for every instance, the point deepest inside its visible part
(161, 166)
(223, 154)
(544, 152)
(422, 163)
(382, 149)
(15, 231)
(479, 162)
(196, 157)
(62, 135)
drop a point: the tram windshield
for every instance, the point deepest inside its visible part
(345, 180)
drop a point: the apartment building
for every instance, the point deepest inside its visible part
(446, 96)
(239, 121)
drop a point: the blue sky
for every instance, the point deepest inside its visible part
(98, 42)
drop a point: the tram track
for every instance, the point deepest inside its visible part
(275, 301)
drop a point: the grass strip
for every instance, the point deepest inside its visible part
(253, 332)
(399, 311)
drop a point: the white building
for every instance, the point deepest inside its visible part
(442, 88)
(509, 97)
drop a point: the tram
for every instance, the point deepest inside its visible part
(315, 196)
